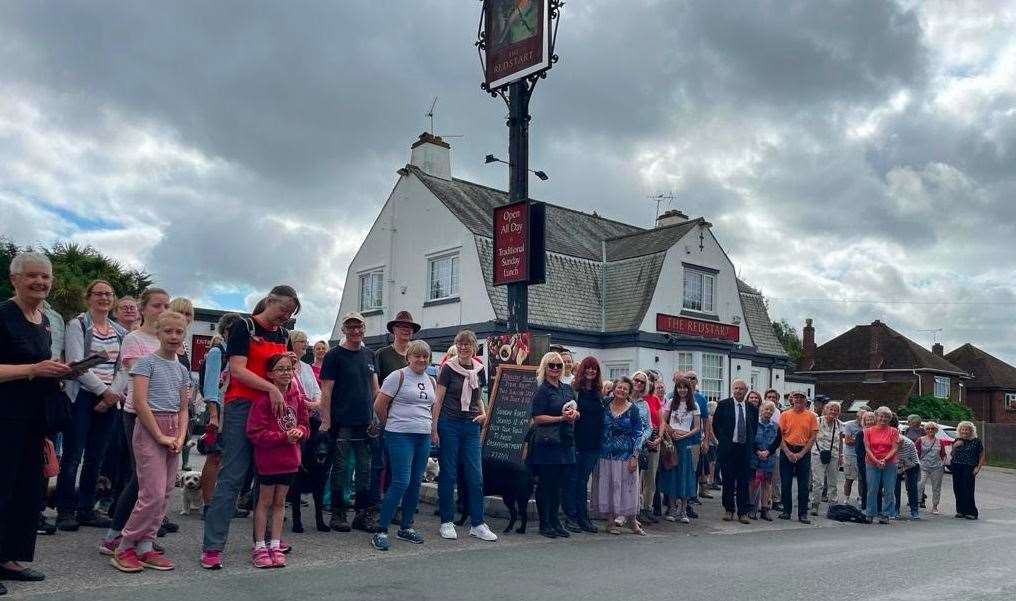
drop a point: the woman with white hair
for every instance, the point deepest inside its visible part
(967, 460)
(553, 448)
(931, 454)
(827, 457)
(880, 465)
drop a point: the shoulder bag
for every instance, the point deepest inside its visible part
(826, 455)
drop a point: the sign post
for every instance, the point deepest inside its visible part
(516, 46)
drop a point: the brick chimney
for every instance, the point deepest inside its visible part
(808, 346)
(671, 217)
(937, 349)
(432, 155)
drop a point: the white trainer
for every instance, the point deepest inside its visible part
(482, 532)
(448, 531)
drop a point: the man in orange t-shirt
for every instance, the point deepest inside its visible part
(798, 426)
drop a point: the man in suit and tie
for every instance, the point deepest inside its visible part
(734, 424)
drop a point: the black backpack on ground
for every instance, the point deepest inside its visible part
(846, 513)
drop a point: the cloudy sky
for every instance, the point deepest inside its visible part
(857, 158)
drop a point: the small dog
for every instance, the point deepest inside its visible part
(512, 482)
(190, 482)
(312, 478)
(433, 470)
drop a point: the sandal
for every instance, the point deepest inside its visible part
(636, 528)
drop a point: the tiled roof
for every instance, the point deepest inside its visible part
(569, 232)
(648, 242)
(852, 350)
(756, 317)
(988, 371)
(630, 287)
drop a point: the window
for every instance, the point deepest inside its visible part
(443, 277)
(698, 290)
(711, 378)
(371, 288)
(684, 362)
(616, 370)
(756, 379)
(941, 387)
(1010, 401)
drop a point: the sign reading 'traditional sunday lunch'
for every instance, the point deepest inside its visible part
(697, 327)
(511, 243)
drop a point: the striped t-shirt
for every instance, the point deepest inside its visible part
(110, 346)
(167, 378)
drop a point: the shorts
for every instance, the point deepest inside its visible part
(850, 466)
(276, 479)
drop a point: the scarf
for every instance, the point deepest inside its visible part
(470, 381)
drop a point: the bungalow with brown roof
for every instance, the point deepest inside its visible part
(991, 394)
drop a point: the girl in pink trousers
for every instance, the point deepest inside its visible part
(161, 391)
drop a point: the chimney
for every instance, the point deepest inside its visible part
(432, 155)
(937, 349)
(671, 217)
(808, 346)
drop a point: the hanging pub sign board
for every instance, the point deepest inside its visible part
(509, 412)
(517, 40)
(519, 243)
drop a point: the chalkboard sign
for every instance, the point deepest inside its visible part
(511, 406)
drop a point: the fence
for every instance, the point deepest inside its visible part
(999, 440)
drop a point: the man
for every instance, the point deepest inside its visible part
(914, 428)
(126, 313)
(850, 467)
(799, 426)
(388, 359)
(347, 411)
(735, 423)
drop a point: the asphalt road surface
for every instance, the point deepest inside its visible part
(939, 557)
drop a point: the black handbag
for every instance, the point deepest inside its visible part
(548, 435)
(826, 455)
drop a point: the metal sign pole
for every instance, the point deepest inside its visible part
(518, 189)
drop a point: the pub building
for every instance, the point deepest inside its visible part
(662, 298)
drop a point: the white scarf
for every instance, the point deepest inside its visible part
(470, 381)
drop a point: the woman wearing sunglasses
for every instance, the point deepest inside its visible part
(553, 447)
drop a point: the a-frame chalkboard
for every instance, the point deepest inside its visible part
(511, 405)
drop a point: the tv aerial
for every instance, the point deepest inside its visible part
(430, 115)
(659, 199)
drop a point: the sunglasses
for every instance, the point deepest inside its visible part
(555, 365)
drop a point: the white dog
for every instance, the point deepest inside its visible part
(431, 473)
(191, 484)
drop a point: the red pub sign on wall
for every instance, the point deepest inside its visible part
(697, 327)
(518, 244)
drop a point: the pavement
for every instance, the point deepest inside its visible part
(937, 557)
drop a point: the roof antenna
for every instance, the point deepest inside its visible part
(430, 115)
(658, 199)
(934, 334)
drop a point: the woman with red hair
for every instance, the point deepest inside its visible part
(588, 384)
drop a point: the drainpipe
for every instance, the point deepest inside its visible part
(916, 375)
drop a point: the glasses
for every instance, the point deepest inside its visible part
(642, 382)
(282, 370)
(354, 327)
(554, 366)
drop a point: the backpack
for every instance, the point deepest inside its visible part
(846, 513)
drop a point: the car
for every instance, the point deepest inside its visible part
(946, 435)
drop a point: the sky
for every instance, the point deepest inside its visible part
(856, 158)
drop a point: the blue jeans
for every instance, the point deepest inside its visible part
(576, 493)
(881, 479)
(460, 441)
(87, 435)
(407, 460)
(236, 460)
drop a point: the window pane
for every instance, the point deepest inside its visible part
(692, 290)
(684, 361)
(712, 376)
(371, 289)
(444, 277)
(707, 292)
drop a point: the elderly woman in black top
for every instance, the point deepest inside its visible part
(553, 447)
(588, 386)
(27, 378)
(967, 460)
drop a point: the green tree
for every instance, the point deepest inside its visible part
(788, 337)
(74, 266)
(931, 407)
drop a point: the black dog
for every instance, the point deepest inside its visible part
(311, 479)
(512, 482)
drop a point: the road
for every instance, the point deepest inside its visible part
(939, 557)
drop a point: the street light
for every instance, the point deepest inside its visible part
(493, 159)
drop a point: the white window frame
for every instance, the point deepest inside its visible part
(756, 379)
(454, 275)
(942, 381)
(1010, 401)
(708, 381)
(616, 369)
(376, 278)
(703, 303)
(685, 366)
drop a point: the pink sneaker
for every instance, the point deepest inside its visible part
(127, 561)
(155, 560)
(278, 557)
(262, 558)
(108, 547)
(211, 560)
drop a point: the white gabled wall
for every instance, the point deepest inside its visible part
(669, 295)
(412, 225)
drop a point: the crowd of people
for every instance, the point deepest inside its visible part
(110, 395)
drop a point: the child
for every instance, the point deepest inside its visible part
(276, 441)
(161, 389)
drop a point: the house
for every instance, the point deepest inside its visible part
(663, 298)
(991, 394)
(877, 364)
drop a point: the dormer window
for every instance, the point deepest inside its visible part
(699, 290)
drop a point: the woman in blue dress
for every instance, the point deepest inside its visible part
(681, 421)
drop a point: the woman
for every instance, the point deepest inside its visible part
(142, 341)
(552, 451)
(126, 313)
(763, 461)
(94, 408)
(304, 371)
(931, 455)
(828, 445)
(967, 460)
(654, 403)
(458, 416)
(404, 405)
(681, 420)
(320, 350)
(880, 464)
(616, 479)
(867, 420)
(588, 386)
(28, 377)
